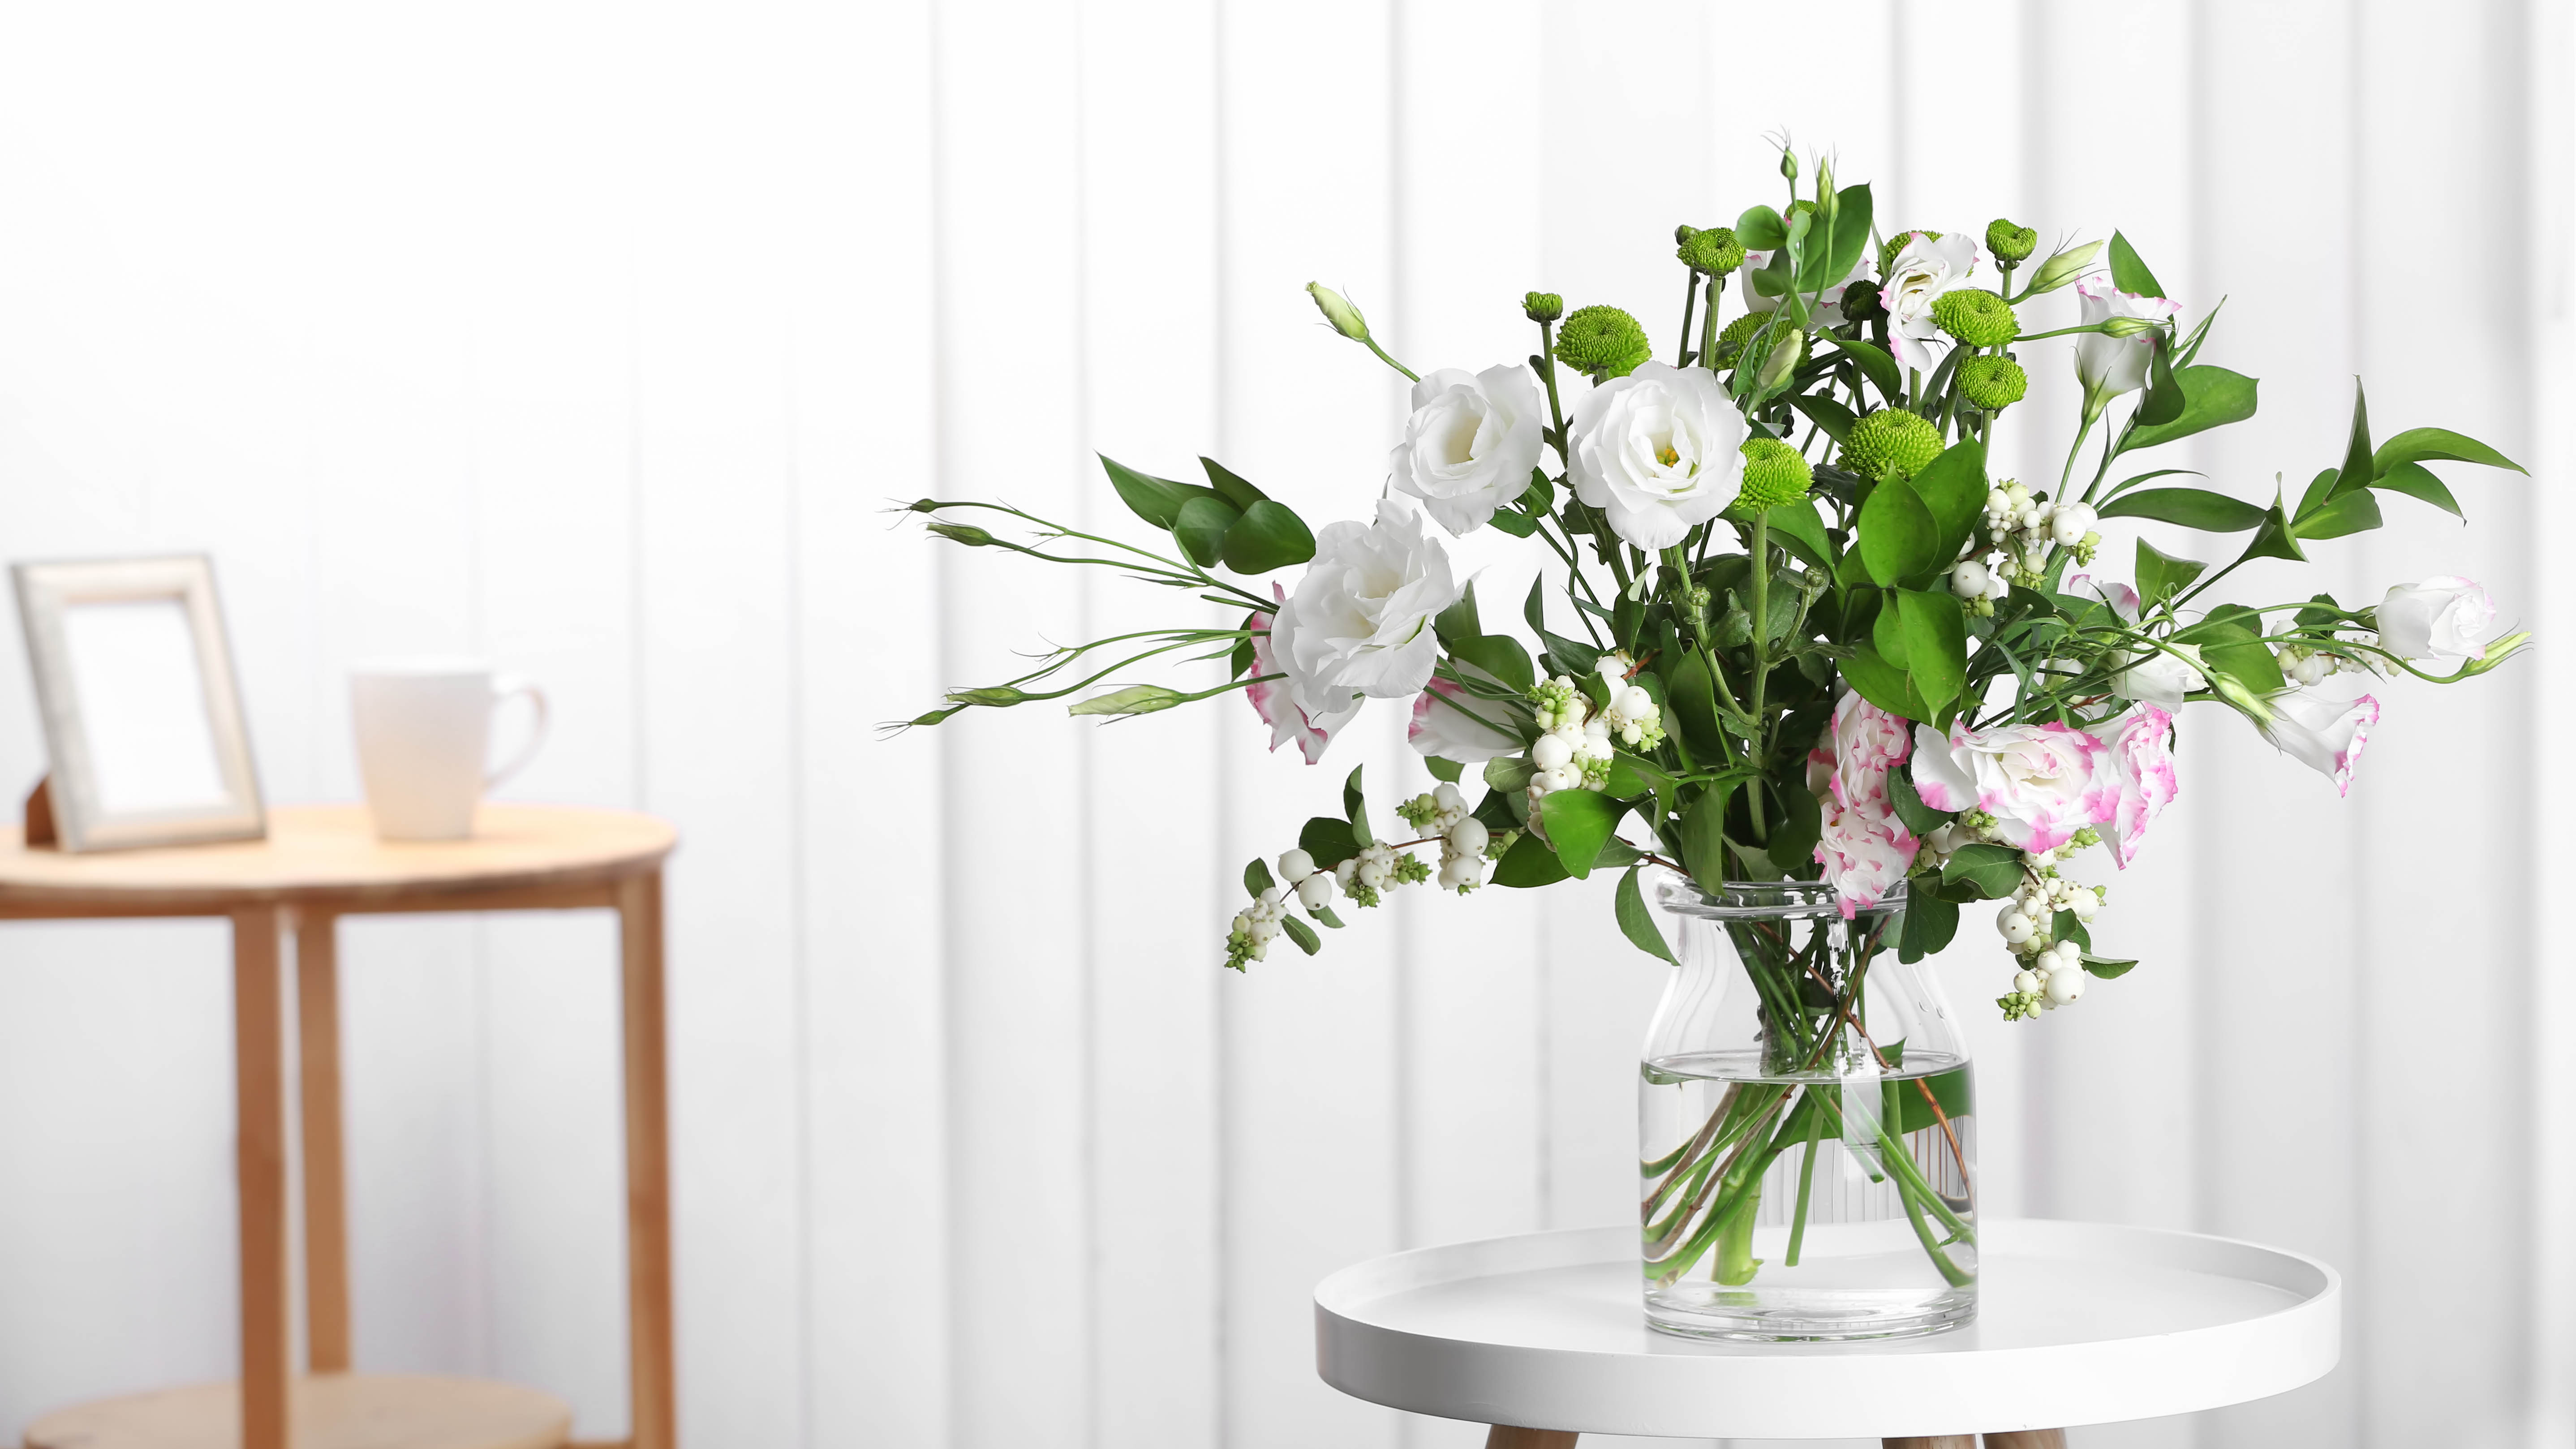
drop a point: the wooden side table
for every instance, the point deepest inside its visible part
(320, 863)
(1542, 1337)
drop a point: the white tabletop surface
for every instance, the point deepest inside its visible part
(2078, 1323)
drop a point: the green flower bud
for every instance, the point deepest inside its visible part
(1682, 234)
(1134, 699)
(1992, 383)
(1711, 253)
(2063, 268)
(1788, 163)
(1346, 319)
(2128, 326)
(2009, 242)
(1976, 317)
(1741, 332)
(1862, 303)
(998, 696)
(1602, 342)
(965, 533)
(1887, 254)
(1774, 473)
(1543, 306)
(1891, 443)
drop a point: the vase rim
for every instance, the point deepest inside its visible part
(1773, 899)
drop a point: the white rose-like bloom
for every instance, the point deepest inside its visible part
(1360, 620)
(2442, 621)
(2324, 736)
(1471, 444)
(1920, 274)
(2109, 366)
(1660, 449)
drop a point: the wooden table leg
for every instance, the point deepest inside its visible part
(259, 1098)
(648, 1166)
(326, 1211)
(2027, 1439)
(1504, 1436)
(1933, 1441)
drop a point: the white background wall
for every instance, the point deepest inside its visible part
(594, 339)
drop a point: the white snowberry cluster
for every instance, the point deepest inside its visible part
(2020, 527)
(2052, 973)
(1465, 843)
(1258, 924)
(1574, 747)
(1971, 827)
(2302, 665)
(1378, 868)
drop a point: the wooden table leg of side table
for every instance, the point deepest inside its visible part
(1504, 1436)
(259, 1096)
(1933, 1441)
(648, 1168)
(2027, 1439)
(326, 1211)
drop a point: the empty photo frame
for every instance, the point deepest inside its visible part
(143, 722)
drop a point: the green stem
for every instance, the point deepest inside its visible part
(1690, 306)
(1761, 590)
(1389, 361)
(1806, 1183)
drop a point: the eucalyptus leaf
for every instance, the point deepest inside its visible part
(1953, 489)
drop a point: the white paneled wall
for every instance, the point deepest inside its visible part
(597, 340)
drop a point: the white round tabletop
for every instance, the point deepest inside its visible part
(2077, 1323)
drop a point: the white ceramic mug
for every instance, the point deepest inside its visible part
(424, 732)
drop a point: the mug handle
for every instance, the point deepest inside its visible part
(503, 689)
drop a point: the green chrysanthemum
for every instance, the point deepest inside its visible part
(1711, 253)
(1891, 443)
(1887, 254)
(1602, 342)
(1992, 383)
(1976, 317)
(1862, 303)
(1774, 473)
(1543, 306)
(1740, 333)
(2008, 242)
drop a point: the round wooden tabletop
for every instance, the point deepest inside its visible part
(329, 855)
(332, 1411)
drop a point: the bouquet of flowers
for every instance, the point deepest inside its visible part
(1817, 640)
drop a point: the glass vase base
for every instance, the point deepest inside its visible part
(1749, 1315)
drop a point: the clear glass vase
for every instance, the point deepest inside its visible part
(1806, 1126)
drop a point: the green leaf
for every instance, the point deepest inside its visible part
(1853, 213)
(2191, 507)
(1328, 840)
(2063, 926)
(1239, 663)
(1355, 805)
(1954, 1090)
(1993, 871)
(1936, 646)
(1759, 229)
(2212, 397)
(1256, 877)
(1802, 818)
(1795, 527)
(1499, 655)
(2163, 402)
(1230, 486)
(2125, 484)
(2130, 274)
(1447, 772)
(1887, 634)
(1459, 620)
(1514, 522)
(2161, 575)
(2417, 481)
(2358, 469)
(2438, 445)
(1874, 362)
(1883, 684)
(1507, 774)
(1578, 821)
(1325, 915)
(1540, 496)
(1156, 500)
(2108, 968)
(1528, 864)
(1704, 837)
(1898, 536)
(1919, 818)
(1616, 853)
(1826, 413)
(2274, 539)
(2320, 488)
(2234, 649)
(1694, 701)
(1301, 933)
(1268, 536)
(1930, 922)
(1636, 922)
(2344, 514)
(1200, 529)
(1953, 489)
(2200, 334)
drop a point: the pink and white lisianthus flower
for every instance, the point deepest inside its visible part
(1865, 851)
(1866, 742)
(1359, 622)
(1274, 702)
(1450, 724)
(2321, 734)
(1923, 270)
(2041, 782)
(2109, 366)
(2142, 767)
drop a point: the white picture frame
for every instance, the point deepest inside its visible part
(144, 738)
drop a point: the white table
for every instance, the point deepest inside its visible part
(2078, 1323)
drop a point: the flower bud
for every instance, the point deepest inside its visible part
(965, 533)
(1684, 233)
(2063, 268)
(1976, 317)
(1891, 442)
(1602, 342)
(1542, 306)
(996, 696)
(1711, 253)
(2008, 242)
(1346, 319)
(1788, 163)
(1992, 383)
(1134, 699)
(2128, 326)
(1774, 473)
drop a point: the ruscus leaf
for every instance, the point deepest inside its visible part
(2191, 507)
(1636, 922)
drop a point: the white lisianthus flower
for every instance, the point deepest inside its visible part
(1660, 449)
(1923, 271)
(1471, 444)
(1274, 701)
(2109, 366)
(2442, 621)
(2321, 734)
(1451, 724)
(1360, 620)
(2156, 677)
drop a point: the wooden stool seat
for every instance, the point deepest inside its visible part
(330, 1411)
